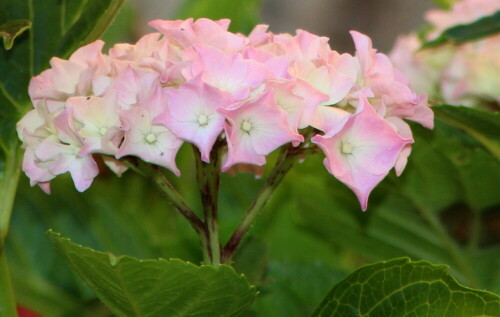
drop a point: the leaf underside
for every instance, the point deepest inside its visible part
(133, 287)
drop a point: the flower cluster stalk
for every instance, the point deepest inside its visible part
(7, 299)
(283, 165)
(208, 177)
(8, 186)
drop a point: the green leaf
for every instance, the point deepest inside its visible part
(244, 14)
(400, 287)
(12, 29)
(481, 28)
(132, 287)
(95, 18)
(481, 125)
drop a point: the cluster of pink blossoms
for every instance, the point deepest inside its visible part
(194, 82)
(466, 74)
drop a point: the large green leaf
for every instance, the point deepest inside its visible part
(244, 14)
(132, 287)
(400, 287)
(463, 33)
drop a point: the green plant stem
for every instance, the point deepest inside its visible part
(208, 177)
(158, 177)
(283, 165)
(475, 233)
(7, 298)
(8, 187)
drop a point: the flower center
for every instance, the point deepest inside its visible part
(246, 126)
(346, 148)
(202, 120)
(102, 131)
(150, 138)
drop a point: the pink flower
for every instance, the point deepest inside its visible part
(391, 94)
(362, 151)
(98, 123)
(79, 75)
(254, 129)
(227, 71)
(195, 81)
(298, 99)
(191, 114)
(61, 154)
(153, 143)
(202, 31)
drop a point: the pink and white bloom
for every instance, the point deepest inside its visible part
(61, 154)
(202, 31)
(196, 82)
(391, 92)
(254, 129)
(191, 114)
(98, 123)
(228, 72)
(362, 151)
(153, 143)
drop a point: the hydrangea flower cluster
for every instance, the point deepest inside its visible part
(194, 81)
(466, 74)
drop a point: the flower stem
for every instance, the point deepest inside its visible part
(8, 187)
(281, 168)
(7, 298)
(208, 177)
(156, 174)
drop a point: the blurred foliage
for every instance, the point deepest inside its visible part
(244, 15)
(459, 34)
(445, 4)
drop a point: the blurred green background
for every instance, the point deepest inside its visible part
(444, 208)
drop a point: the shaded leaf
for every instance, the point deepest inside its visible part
(132, 287)
(486, 26)
(12, 29)
(483, 126)
(400, 287)
(294, 289)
